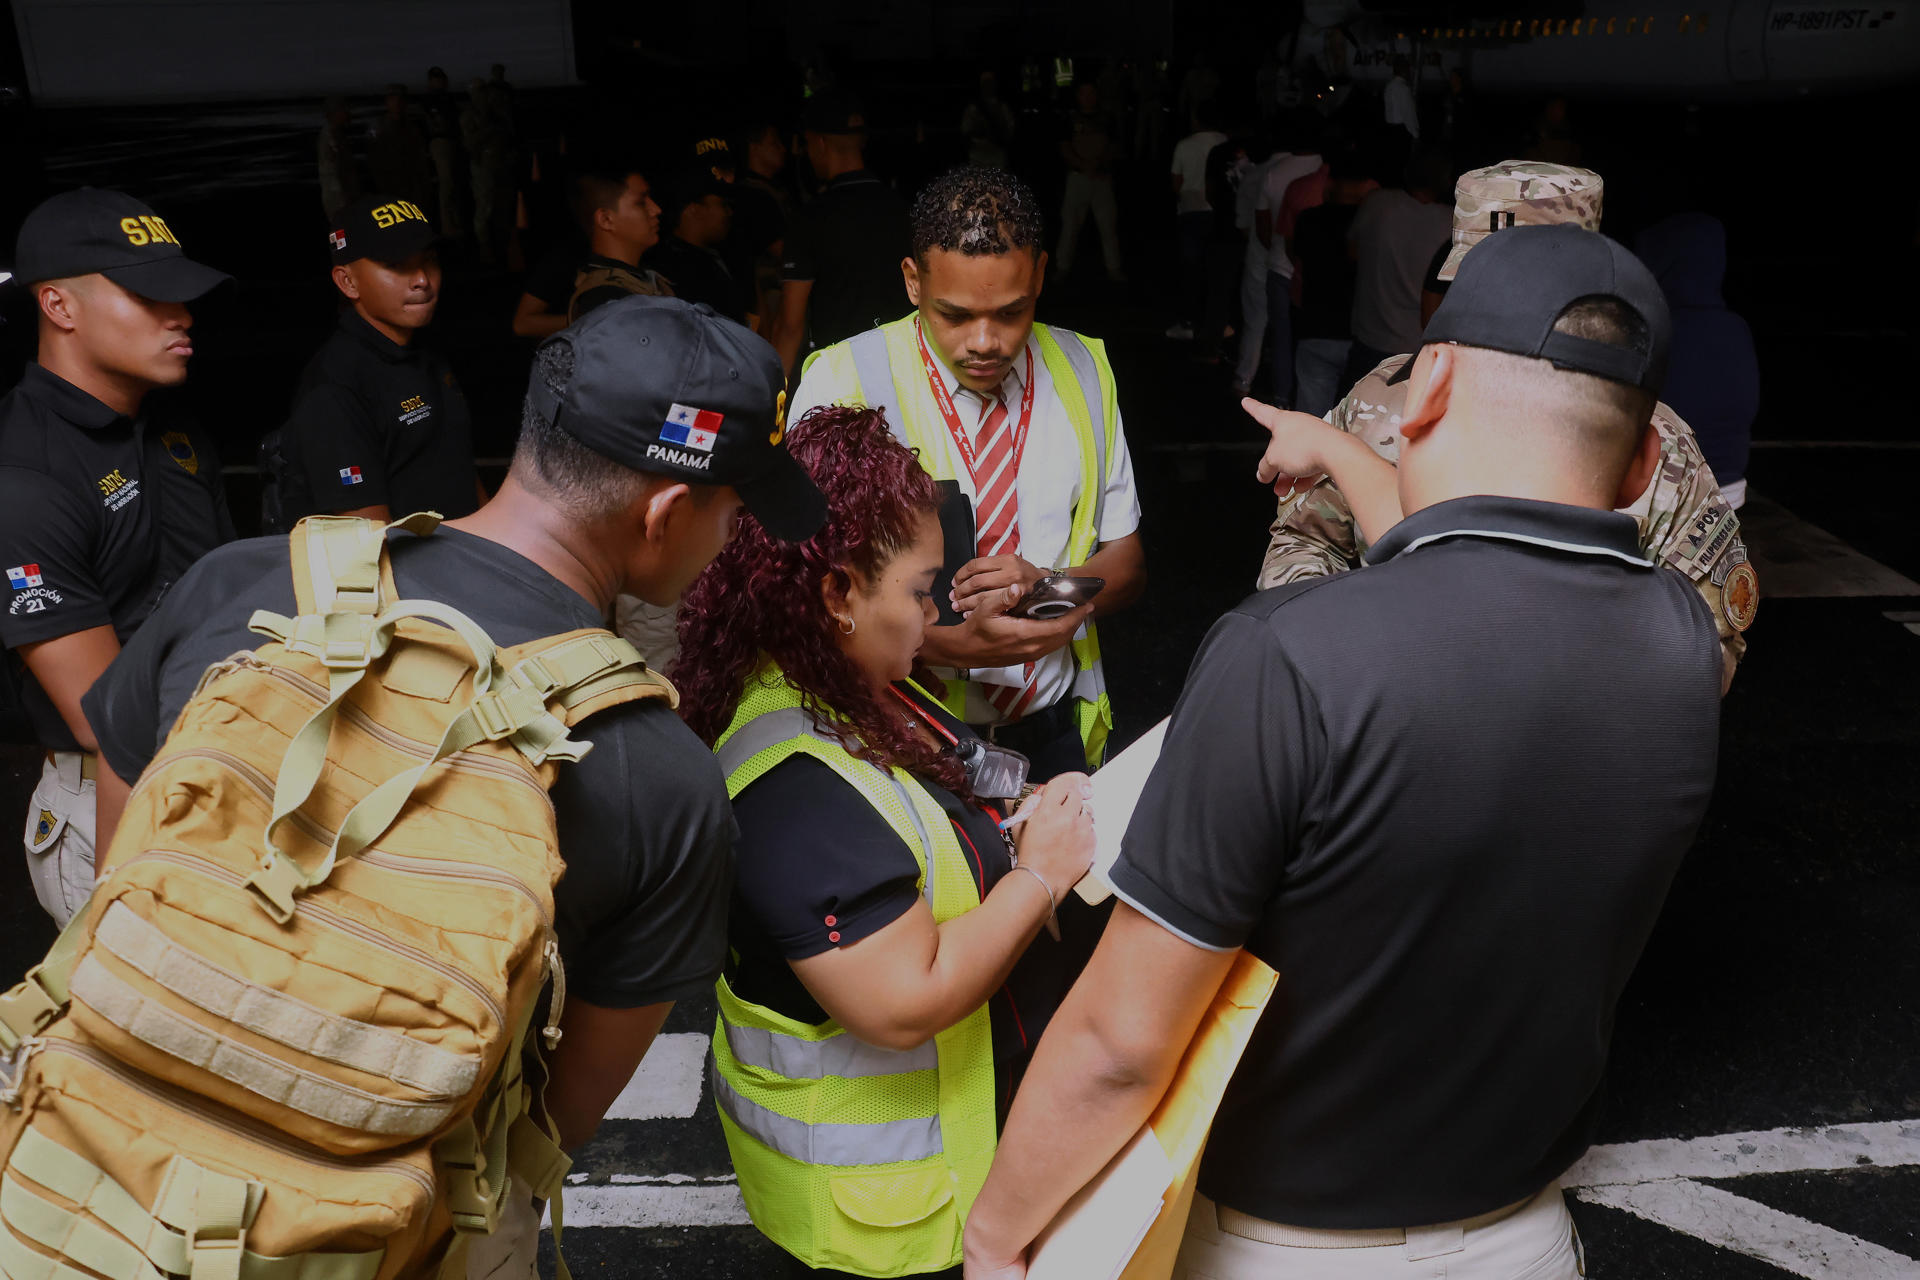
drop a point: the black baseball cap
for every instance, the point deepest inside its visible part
(384, 228)
(668, 386)
(683, 189)
(833, 111)
(79, 233)
(1515, 286)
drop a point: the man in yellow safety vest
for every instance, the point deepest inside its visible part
(1024, 419)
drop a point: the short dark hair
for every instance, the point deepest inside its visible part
(976, 210)
(596, 188)
(586, 484)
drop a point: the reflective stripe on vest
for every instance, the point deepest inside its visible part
(838, 1145)
(842, 1055)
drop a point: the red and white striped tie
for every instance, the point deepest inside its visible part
(997, 499)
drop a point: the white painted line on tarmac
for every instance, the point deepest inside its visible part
(667, 1085)
(630, 1206)
(1735, 1155)
(1743, 1226)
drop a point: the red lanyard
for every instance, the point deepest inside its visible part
(944, 399)
(925, 715)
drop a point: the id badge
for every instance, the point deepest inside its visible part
(994, 772)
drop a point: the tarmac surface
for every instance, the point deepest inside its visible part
(1763, 1113)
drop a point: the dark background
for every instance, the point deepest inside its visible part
(1783, 984)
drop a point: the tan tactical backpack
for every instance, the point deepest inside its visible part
(283, 1040)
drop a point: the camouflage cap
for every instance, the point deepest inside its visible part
(1519, 193)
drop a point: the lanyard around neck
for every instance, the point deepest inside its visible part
(943, 398)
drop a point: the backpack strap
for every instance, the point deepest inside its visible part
(340, 563)
(590, 669)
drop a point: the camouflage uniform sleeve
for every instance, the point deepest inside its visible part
(1687, 524)
(1314, 534)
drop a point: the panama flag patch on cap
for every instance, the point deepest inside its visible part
(23, 576)
(351, 475)
(691, 428)
(338, 239)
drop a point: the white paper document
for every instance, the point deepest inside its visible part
(1116, 792)
(1095, 1235)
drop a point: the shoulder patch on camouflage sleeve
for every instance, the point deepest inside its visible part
(1739, 588)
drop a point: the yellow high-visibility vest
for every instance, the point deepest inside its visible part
(882, 369)
(853, 1157)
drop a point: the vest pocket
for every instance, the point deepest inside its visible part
(895, 1199)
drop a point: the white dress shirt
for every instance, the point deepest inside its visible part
(1048, 485)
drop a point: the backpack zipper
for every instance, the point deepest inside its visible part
(360, 720)
(340, 924)
(237, 1126)
(404, 863)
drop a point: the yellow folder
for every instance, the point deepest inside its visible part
(1090, 1238)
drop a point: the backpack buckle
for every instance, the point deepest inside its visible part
(275, 884)
(27, 1010)
(215, 1253)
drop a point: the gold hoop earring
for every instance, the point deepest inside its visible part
(847, 625)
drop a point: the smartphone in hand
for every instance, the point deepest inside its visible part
(1054, 595)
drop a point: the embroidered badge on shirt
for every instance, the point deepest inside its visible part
(415, 409)
(692, 428)
(180, 449)
(43, 828)
(116, 491)
(23, 576)
(351, 475)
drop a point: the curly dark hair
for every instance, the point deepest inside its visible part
(976, 210)
(761, 598)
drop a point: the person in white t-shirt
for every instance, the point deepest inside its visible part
(1253, 269)
(1301, 162)
(1193, 214)
(1401, 108)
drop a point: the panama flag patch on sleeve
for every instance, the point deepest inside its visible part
(22, 576)
(691, 428)
(351, 475)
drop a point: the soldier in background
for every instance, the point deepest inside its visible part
(339, 173)
(486, 127)
(398, 155)
(1684, 522)
(443, 144)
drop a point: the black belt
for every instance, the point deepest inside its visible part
(1036, 729)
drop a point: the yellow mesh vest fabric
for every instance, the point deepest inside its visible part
(888, 1217)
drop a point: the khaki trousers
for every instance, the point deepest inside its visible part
(59, 836)
(1534, 1241)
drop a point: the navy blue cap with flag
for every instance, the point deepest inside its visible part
(668, 386)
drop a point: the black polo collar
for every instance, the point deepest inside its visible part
(1580, 530)
(386, 348)
(68, 402)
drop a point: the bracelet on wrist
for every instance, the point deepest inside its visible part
(1052, 906)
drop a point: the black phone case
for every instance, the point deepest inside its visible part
(957, 533)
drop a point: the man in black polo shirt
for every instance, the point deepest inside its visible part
(107, 494)
(1426, 793)
(617, 211)
(840, 274)
(698, 214)
(379, 427)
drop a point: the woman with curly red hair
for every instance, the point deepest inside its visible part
(869, 1035)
